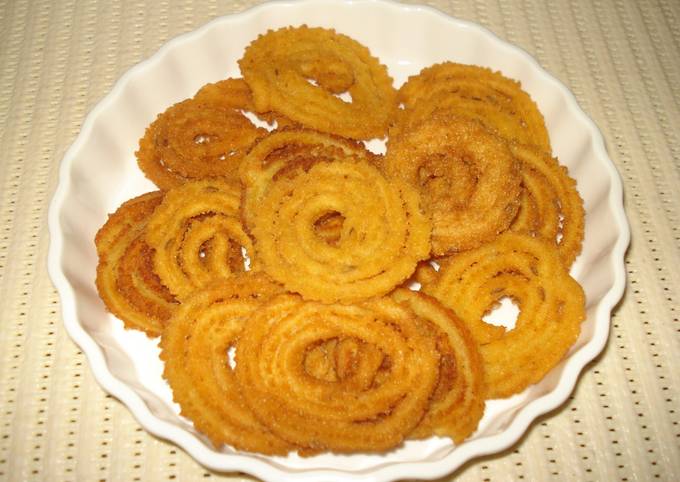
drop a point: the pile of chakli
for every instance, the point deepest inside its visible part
(275, 263)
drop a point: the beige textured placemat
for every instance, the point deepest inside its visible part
(620, 58)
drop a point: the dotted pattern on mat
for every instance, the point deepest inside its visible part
(619, 58)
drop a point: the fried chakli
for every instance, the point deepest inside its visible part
(384, 232)
(300, 72)
(477, 92)
(125, 279)
(196, 139)
(287, 152)
(195, 347)
(550, 207)
(529, 271)
(340, 416)
(468, 179)
(197, 235)
(457, 403)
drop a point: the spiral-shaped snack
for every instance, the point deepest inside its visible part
(467, 177)
(529, 271)
(550, 206)
(285, 153)
(196, 139)
(195, 347)
(126, 281)
(477, 92)
(383, 234)
(197, 235)
(457, 403)
(339, 415)
(300, 72)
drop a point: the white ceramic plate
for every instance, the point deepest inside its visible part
(99, 172)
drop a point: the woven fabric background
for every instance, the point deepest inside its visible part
(620, 58)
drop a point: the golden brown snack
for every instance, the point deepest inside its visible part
(287, 152)
(197, 235)
(384, 232)
(551, 206)
(196, 139)
(457, 403)
(338, 415)
(125, 280)
(299, 72)
(529, 271)
(476, 92)
(467, 177)
(195, 347)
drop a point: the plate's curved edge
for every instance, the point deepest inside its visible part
(227, 462)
